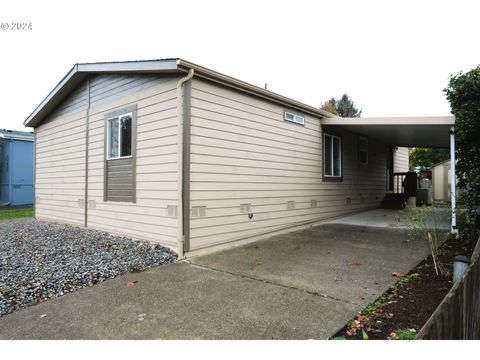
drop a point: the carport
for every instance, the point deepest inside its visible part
(426, 131)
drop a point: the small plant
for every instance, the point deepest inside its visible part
(422, 226)
(363, 321)
(403, 334)
(408, 278)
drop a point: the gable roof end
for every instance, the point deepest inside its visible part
(79, 72)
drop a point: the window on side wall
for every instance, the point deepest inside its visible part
(363, 151)
(332, 157)
(119, 136)
(120, 164)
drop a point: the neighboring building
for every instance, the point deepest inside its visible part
(441, 183)
(16, 167)
(172, 152)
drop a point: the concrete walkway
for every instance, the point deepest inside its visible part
(302, 285)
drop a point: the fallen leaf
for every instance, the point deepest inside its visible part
(349, 333)
(392, 334)
(360, 317)
(43, 316)
(357, 324)
(397, 274)
(254, 264)
(354, 263)
(132, 283)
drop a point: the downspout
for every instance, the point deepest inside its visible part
(453, 181)
(180, 174)
(87, 134)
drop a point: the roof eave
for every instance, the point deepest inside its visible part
(147, 66)
(231, 82)
(80, 71)
(44, 107)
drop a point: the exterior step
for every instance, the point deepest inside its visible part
(393, 201)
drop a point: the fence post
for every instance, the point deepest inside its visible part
(458, 315)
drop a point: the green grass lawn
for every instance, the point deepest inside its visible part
(9, 213)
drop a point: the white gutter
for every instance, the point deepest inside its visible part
(16, 137)
(453, 181)
(180, 233)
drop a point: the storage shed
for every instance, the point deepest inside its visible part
(441, 181)
(172, 152)
(16, 167)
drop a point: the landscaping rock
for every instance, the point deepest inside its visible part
(42, 260)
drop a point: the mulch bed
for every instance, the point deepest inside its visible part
(402, 311)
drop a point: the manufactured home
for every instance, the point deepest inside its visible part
(175, 153)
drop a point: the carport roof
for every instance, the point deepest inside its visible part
(423, 131)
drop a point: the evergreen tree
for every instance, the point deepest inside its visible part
(344, 107)
(425, 158)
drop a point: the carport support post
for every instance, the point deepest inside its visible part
(453, 181)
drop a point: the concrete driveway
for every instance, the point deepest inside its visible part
(303, 285)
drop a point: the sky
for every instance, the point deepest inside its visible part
(393, 58)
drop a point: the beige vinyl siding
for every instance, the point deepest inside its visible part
(61, 159)
(400, 160)
(60, 169)
(243, 152)
(156, 168)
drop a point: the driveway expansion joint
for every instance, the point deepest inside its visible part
(314, 293)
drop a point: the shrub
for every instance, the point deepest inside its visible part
(463, 94)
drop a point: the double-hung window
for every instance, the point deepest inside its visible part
(119, 136)
(332, 155)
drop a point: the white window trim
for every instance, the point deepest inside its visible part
(295, 118)
(119, 136)
(332, 156)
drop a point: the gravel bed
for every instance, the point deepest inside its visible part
(42, 260)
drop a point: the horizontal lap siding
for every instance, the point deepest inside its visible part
(400, 160)
(242, 151)
(60, 177)
(60, 169)
(156, 167)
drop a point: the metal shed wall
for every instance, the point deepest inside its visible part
(16, 172)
